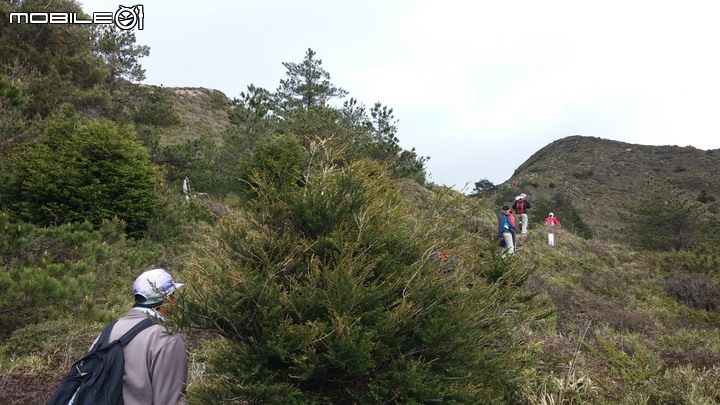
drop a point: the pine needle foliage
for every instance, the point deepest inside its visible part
(49, 273)
(82, 170)
(664, 218)
(331, 290)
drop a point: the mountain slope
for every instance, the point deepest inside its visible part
(600, 177)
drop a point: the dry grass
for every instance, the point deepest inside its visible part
(203, 113)
(26, 386)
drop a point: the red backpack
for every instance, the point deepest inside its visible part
(520, 207)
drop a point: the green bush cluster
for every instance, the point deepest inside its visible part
(82, 170)
(50, 273)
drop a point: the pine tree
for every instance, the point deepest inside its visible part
(328, 291)
(54, 63)
(663, 218)
(51, 272)
(307, 85)
(12, 102)
(118, 50)
(484, 186)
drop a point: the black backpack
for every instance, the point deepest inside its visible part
(97, 377)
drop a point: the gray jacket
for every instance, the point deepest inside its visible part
(156, 363)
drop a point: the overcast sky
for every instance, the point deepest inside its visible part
(479, 86)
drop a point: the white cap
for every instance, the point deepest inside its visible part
(154, 286)
(552, 215)
(523, 195)
(517, 198)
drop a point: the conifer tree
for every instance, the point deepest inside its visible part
(374, 135)
(484, 186)
(307, 85)
(11, 104)
(54, 63)
(251, 109)
(118, 50)
(329, 290)
(82, 171)
(51, 272)
(663, 218)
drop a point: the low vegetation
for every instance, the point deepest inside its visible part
(321, 266)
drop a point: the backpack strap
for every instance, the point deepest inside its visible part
(139, 327)
(104, 338)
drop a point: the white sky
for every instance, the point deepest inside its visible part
(477, 85)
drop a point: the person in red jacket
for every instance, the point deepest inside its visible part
(552, 222)
(511, 218)
(521, 206)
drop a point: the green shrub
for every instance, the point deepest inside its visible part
(177, 218)
(277, 161)
(564, 210)
(52, 272)
(82, 171)
(328, 291)
(156, 109)
(58, 342)
(583, 174)
(676, 223)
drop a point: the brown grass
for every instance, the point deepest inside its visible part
(203, 113)
(27, 387)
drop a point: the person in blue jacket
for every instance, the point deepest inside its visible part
(506, 231)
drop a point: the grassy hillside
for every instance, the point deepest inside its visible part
(619, 326)
(202, 112)
(320, 266)
(629, 327)
(601, 177)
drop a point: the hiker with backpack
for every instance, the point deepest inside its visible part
(551, 221)
(506, 232)
(521, 205)
(136, 360)
(511, 217)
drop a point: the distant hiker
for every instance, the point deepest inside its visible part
(511, 217)
(156, 366)
(186, 188)
(521, 205)
(506, 231)
(517, 198)
(551, 221)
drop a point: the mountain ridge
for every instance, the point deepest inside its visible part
(599, 177)
(602, 177)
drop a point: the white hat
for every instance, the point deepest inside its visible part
(551, 214)
(517, 198)
(523, 195)
(154, 286)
